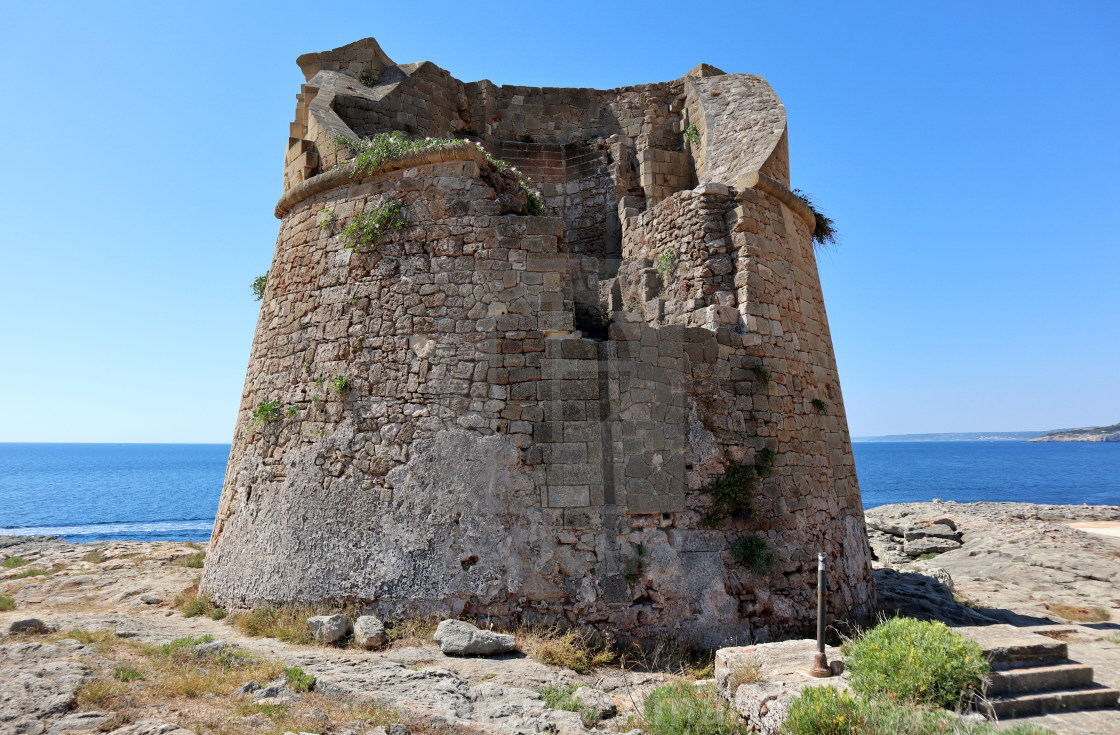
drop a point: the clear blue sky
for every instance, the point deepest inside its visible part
(967, 151)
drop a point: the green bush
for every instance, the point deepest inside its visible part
(753, 553)
(7, 603)
(916, 661)
(369, 226)
(259, 285)
(299, 680)
(825, 710)
(686, 709)
(14, 562)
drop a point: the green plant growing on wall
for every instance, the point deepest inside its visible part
(340, 385)
(292, 411)
(691, 134)
(369, 226)
(259, 285)
(327, 219)
(820, 406)
(762, 374)
(824, 232)
(370, 154)
(633, 567)
(266, 412)
(369, 78)
(732, 491)
(752, 552)
(666, 264)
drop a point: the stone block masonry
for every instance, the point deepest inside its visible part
(495, 415)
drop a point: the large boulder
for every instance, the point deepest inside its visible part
(369, 632)
(329, 628)
(460, 638)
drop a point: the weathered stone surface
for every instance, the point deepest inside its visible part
(36, 685)
(369, 631)
(929, 545)
(777, 674)
(152, 727)
(484, 413)
(460, 638)
(329, 628)
(595, 700)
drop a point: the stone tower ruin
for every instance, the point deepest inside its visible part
(621, 413)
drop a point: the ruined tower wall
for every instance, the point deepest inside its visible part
(535, 408)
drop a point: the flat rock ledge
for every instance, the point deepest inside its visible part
(760, 681)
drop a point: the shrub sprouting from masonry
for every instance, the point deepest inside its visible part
(340, 385)
(731, 492)
(266, 411)
(691, 134)
(259, 284)
(327, 218)
(666, 263)
(683, 708)
(369, 78)
(370, 154)
(916, 661)
(824, 232)
(369, 226)
(820, 406)
(753, 553)
(762, 374)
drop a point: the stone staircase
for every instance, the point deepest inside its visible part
(1033, 675)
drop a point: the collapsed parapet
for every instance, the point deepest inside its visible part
(486, 413)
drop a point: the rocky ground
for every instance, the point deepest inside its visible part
(1031, 566)
(120, 657)
(110, 607)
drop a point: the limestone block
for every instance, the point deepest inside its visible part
(329, 628)
(460, 638)
(369, 631)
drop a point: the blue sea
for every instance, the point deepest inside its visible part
(169, 492)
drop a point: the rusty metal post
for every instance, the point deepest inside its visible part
(820, 667)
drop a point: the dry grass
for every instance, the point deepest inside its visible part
(411, 632)
(288, 624)
(579, 651)
(191, 561)
(1079, 614)
(7, 603)
(94, 557)
(669, 656)
(198, 692)
(748, 673)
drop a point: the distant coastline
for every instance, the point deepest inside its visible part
(1088, 434)
(959, 436)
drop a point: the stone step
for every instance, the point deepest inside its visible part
(1060, 700)
(1006, 647)
(1039, 678)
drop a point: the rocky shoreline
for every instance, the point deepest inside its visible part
(113, 604)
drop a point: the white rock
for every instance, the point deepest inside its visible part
(596, 700)
(369, 631)
(329, 628)
(460, 638)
